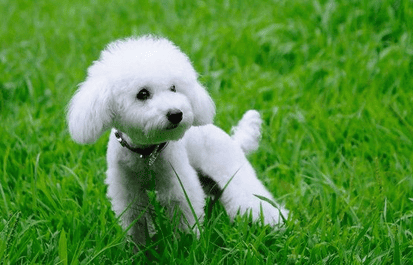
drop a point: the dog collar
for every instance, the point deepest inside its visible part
(152, 152)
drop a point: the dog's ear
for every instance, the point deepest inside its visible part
(89, 113)
(203, 106)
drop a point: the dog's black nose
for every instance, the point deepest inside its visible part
(174, 116)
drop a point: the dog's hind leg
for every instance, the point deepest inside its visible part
(219, 157)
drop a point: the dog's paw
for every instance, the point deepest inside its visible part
(261, 210)
(273, 215)
(248, 131)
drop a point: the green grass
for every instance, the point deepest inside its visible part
(332, 79)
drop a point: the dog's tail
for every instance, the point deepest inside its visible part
(248, 131)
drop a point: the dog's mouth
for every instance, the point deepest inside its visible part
(172, 126)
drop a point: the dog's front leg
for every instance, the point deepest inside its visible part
(129, 202)
(181, 191)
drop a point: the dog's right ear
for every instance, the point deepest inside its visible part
(89, 113)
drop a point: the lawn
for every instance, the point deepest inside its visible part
(332, 80)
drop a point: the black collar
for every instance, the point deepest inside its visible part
(153, 150)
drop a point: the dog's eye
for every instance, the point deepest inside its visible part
(143, 94)
(172, 88)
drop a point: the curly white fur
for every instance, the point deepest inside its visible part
(134, 87)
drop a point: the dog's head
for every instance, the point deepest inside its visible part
(145, 87)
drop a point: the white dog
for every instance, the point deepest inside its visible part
(147, 91)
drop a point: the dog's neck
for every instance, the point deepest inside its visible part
(147, 151)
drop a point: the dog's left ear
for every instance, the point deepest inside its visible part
(203, 106)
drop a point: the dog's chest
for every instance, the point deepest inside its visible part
(149, 176)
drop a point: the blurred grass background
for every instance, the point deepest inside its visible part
(332, 79)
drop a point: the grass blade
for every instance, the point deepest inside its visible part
(63, 247)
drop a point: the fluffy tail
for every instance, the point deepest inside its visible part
(248, 131)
